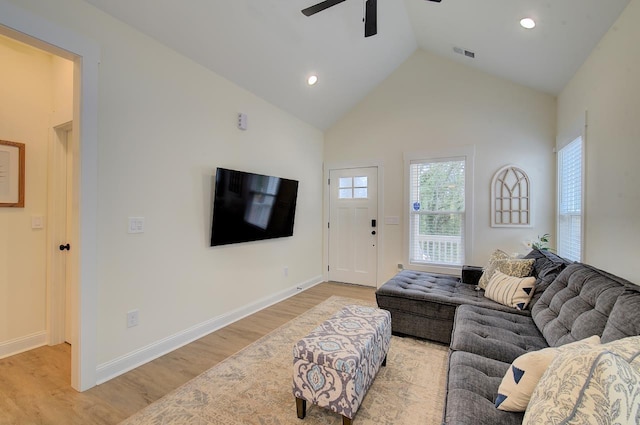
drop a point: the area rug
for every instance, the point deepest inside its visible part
(254, 385)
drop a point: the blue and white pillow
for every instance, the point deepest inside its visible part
(599, 385)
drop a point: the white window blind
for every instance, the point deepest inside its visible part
(570, 200)
(437, 212)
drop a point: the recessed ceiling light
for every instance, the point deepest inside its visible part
(312, 80)
(527, 23)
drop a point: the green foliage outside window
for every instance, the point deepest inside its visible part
(441, 194)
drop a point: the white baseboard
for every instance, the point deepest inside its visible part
(22, 344)
(134, 359)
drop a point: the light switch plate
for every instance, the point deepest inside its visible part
(37, 222)
(136, 225)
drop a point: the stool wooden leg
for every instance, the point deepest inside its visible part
(384, 362)
(301, 407)
(346, 421)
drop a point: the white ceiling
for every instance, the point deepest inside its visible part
(269, 47)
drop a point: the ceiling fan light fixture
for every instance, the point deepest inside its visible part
(527, 23)
(312, 79)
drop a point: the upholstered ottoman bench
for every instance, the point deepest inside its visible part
(334, 366)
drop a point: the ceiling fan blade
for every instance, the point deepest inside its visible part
(312, 10)
(371, 18)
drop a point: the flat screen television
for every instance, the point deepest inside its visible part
(251, 207)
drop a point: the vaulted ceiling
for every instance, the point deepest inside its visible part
(270, 48)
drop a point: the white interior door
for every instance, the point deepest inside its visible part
(353, 225)
(60, 179)
(68, 169)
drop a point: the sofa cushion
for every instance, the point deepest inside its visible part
(472, 385)
(509, 290)
(494, 334)
(524, 373)
(577, 304)
(424, 304)
(599, 385)
(624, 319)
(546, 268)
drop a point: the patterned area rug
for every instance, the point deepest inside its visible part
(254, 386)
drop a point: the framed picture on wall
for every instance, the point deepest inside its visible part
(11, 174)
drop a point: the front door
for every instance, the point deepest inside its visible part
(353, 225)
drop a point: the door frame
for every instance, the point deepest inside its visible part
(28, 27)
(341, 165)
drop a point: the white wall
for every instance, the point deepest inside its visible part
(165, 123)
(25, 113)
(608, 88)
(430, 103)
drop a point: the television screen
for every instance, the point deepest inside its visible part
(250, 207)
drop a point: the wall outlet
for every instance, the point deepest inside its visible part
(286, 272)
(242, 121)
(133, 317)
(400, 266)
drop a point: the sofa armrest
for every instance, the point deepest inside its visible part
(471, 274)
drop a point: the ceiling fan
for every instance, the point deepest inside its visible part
(370, 13)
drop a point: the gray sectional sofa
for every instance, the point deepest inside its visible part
(572, 301)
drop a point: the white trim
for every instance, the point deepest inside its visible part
(583, 247)
(136, 358)
(27, 27)
(22, 344)
(341, 165)
(469, 153)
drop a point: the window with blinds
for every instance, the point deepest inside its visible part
(570, 200)
(437, 212)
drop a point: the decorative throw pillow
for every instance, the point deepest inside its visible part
(490, 267)
(598, 386)
(510, 291)
(525, 372)
(627, 348)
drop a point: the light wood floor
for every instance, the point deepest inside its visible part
(35, 386)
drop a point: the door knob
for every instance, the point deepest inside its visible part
(373, 232)
(63, 247)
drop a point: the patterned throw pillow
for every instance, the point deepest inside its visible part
(490, 267)
(525, 372)
(628, 348)
(600, 385)
(510, 266)
(510, 291)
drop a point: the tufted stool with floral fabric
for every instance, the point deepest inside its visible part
(334, 366)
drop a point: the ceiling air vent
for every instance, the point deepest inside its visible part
(465, 52)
